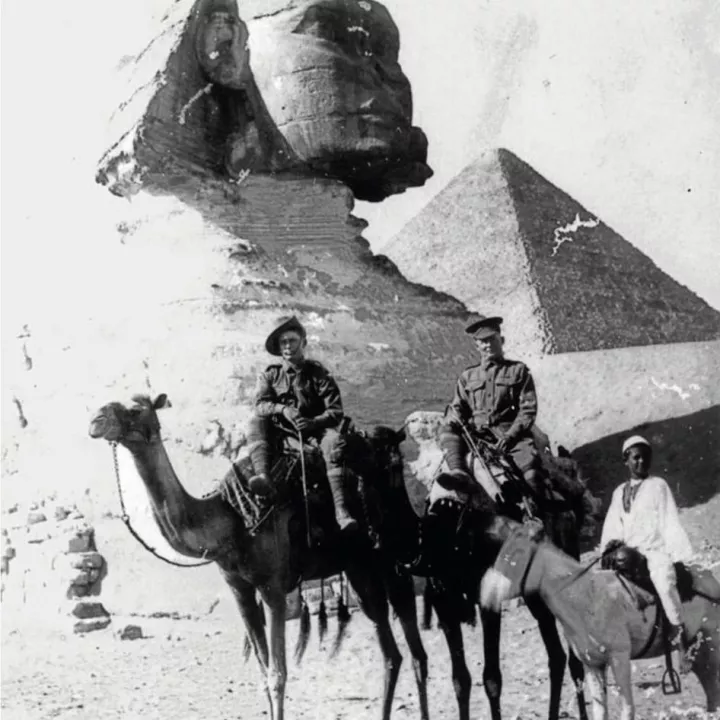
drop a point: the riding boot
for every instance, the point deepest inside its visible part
(260, 483)
(337, 480)
(457, 477)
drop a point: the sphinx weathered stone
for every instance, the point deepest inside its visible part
(312, 88)
(329, 75)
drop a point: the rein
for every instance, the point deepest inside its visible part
(126, 519)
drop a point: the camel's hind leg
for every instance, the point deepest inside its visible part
(401, 592)
(372, 596)
(705, 649)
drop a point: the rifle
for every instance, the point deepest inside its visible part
(505, 462)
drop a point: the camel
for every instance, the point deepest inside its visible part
(271, 562)
(607, 619)
(453, 577)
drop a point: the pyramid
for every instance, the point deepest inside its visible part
(505, 240)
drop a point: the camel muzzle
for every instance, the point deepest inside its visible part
(99, 426)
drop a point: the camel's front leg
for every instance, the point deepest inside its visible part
(374, 603)
(622, 670)
(597, 684)
(401, 594)
(251, 612)
(277, 669)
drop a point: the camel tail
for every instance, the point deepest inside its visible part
(427, 607)
(343, 616)
(247, 648)
(304, 633)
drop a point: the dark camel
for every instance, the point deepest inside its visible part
(452, 574)
(268, 562)
(607, 620)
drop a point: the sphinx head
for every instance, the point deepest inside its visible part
(329, 76)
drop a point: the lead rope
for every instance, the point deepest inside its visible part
(126, 519)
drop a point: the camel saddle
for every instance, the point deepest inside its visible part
(287, 478)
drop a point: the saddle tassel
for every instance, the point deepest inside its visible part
(322, 612)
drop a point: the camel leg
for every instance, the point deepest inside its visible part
(492, 675)
(622, 670)
(374, 602)
(274, 600)
(557, 658)
(401, 593)
(251, 612)
(597, 684)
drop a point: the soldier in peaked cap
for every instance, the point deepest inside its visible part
(299, 394)
(498, 394)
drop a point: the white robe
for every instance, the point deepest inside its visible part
(653, 527)
(653, 523)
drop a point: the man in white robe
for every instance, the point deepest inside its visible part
(643, 515)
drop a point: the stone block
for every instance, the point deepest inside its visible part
(86, 561)
(85, 577)
(78, 591)
(91, 624)
(35, 516)
(88, 609)
(131, 632)
(61, 513)
(82, 541)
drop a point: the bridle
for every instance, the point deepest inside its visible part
(126, 519)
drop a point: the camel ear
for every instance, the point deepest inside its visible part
(161, 401)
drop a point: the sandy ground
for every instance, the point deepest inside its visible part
(192, 668)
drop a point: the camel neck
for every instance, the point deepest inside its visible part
(194, 527)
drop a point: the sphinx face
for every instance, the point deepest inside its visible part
(328, 73)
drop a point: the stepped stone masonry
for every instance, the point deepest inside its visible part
(83, 568)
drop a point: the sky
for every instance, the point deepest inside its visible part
(617, 103)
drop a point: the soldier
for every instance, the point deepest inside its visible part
(498, 394)
(643, 515)
(298, 394)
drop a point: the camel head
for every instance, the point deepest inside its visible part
(137, 424)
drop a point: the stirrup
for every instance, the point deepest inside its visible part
(671, 684)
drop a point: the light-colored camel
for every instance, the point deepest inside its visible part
(607, 620)
(268, 561)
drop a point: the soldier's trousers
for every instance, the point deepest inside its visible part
(523, 453)
(262, 431)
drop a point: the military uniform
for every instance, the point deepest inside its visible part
(311, 390)
(498, 394)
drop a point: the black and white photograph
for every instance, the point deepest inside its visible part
(360, 360)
